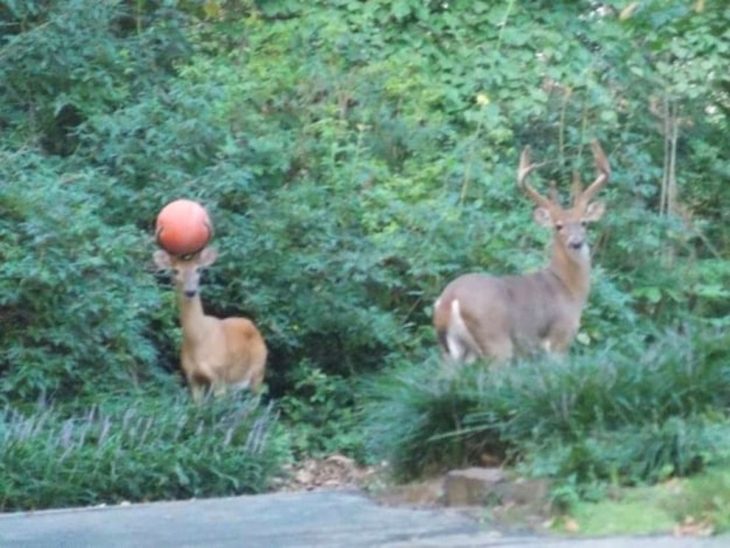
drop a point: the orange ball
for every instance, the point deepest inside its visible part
(183, 227)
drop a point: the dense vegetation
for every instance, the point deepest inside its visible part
(618, 415)
(145, 449)
(355, 156)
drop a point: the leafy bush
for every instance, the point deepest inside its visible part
(414, 417)
(355, 156)
(77, 299)
(65, 60)
(319, 412)
(626, 415)
(149, 448)
(347, 189)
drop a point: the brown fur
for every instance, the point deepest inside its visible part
(479, 316)
(216, 354)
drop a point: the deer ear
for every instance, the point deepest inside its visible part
(208, 256)
(162, 259)
(542, 217)
(594, 211)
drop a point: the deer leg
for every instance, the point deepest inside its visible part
(199, 385)
(246, 384)
(219, 389)
(559, 340)
(256, 380)
(456, 350)
(501, 350)
(458, 342)
(198, 392)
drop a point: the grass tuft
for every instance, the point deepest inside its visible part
(136, 450)
(628, 414)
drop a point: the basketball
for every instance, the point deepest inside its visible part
(183, 227)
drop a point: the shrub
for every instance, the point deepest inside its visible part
(628, 414)
(415, 415)
(319, 413)
(66, 60)
(152, 447)
(355, 156)
(76, 297)
(347, 189)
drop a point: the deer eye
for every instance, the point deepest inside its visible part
(558, 226)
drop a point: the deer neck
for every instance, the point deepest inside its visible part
(192, 318)
(573, 271)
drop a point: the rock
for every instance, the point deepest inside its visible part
(472, 486)
(479, 486)
(525, 491)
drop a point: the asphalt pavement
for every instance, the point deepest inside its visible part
(304, 519)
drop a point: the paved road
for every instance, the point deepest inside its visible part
(323, 519)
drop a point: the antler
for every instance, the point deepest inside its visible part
(526, 167)
(604, 172)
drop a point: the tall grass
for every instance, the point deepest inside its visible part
(136, 450)
(415, 417)
(629, 413)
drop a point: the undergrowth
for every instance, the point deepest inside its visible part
(320, 416)
(626, 415)
(139, 450)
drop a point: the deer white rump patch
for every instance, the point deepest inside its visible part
(459, 340)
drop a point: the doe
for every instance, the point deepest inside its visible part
(481, 316)
(217, 354)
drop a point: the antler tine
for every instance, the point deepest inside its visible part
(604, 172)
(526, 167)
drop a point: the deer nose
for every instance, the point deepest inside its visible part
(190, 293)
(576, 243)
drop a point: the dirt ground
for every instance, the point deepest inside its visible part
(341, 472)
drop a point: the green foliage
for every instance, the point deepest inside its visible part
(354, 156)
(63, 61)
(626, 415)
(278, 150)
(414, 417)
(75, 296)
(347, 189)
(698, 504)
(319, 412)
(135, 450)
(707, 497)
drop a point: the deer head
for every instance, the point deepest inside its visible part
(186, 270)
(569, 224)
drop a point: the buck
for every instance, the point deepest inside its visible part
(481, 316)
(217, 354)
